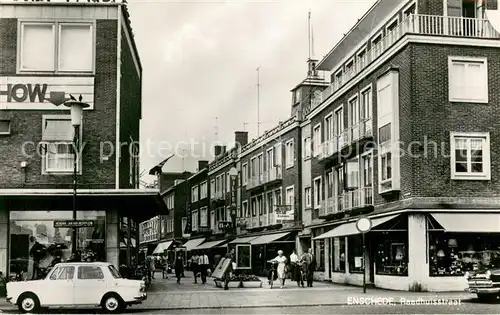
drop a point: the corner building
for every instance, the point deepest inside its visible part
(405, 135)
(82, 49)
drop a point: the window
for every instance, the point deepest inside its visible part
(269, 202)
(392, 254)
(194, 194)
(270, 159)
(338, 77)
(339, 254)
(366, 103)
(203, 217)
(63, 273)
(317, 192)
(260, 159)
(468, 79)
(328, 127)
(244, 174)
(253, 166)
(367, 164)
(329, 184)
(339, 121)
(384, 133)
(361, 58)
(353, 111)
(349, 66)
(392, 25)
(317, 139)
(217, 184)
(355, 253)
(290, 196)
(260, 205)
(320, 255)
(277, 197)
(386, 167)
(56, 47)
(212, 221)
(114, 272)
(470, 156)
(58, 148)
(289, 154)
(4, 127)
(307, 195)
(244, 210)
(203, 190)
(90, 273)
(228, 182)
(307, 148)
(253, 205)
(194, 220)
(223, 183)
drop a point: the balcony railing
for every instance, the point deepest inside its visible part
(347, 201)
(413, 24)
(217, 195)
(268, 176)
(361, 130)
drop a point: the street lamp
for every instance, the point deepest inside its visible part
(76, 107)
(233, 174)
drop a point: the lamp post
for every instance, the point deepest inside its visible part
(233, 174)
(364, 225)
(76, 107)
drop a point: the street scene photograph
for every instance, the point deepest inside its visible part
(249, 156)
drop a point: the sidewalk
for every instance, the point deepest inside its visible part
(166, 294)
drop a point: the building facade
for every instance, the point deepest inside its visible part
(396, 137)
(74, 49)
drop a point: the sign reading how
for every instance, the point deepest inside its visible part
(74, 223)
(31, 93)
(67, 1)
(284, 213)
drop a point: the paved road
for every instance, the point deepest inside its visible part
(465, 308)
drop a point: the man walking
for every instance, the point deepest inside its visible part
(203, 265)
(310, 262)
(195, 267)
(294, 266)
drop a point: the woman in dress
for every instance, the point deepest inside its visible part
(281, 270)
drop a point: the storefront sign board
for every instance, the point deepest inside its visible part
(74, 223)
(31, 93)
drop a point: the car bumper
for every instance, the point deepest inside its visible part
(139, 299)
(483, 290)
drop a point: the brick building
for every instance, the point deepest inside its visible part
(405, 135)
(79, 49)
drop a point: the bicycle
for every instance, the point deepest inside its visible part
(272, 274)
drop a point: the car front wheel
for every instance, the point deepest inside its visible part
(113, 304)
(28, 303)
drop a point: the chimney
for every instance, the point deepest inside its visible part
(202, 164)
(241, 138)
(217, 150)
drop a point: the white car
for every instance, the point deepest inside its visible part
(77, 285)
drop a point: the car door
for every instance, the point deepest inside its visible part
(57, 289)
(90, 285)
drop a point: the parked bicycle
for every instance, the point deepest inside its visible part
(273, 275)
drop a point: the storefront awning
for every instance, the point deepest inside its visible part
(469, 222)
(209, 245)
(350, 228)
(160, 248)
(244, 240)
(267, 239)
(192, 244)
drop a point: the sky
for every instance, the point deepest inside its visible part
(200, 61)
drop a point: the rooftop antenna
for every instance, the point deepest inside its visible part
(312, 63)
(309, 37)
(216, 128)
(258, 101)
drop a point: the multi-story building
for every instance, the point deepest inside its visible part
(198, 210)
(404, 136)
(150, 233)
(69, 48)
(175, 223)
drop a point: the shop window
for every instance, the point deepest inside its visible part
(355, 253)
(453, 254)
(339, 254)
(34, 238)
(320, 255)
(392, 254)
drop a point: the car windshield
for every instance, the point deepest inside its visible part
(114, 272)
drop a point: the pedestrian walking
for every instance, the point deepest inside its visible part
(195, 267)
(229, 270)
(179, 268)
(294, 268)
(152, 266)
(203, 264)
(310, 264)
(281, 269)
